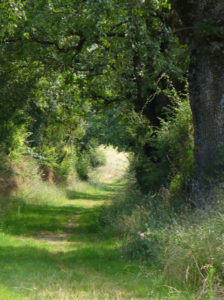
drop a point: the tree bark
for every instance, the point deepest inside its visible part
(204, 21)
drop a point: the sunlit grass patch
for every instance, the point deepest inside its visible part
(114, 169)
(94, 270)
(41, 193)
(52, 246)
(29, 220)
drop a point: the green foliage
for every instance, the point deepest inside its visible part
(188, 245)
(171, 162)
(39, 236)
(195, 250)
(92, 157)
(67, 85)
(175, 144)
(65, 167)
(138, 247)
(212, 30)
(97, 157)
(5, 168)
(82, 165)
(140, 220)
(76, 74)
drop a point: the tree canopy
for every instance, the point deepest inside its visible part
(113, 71)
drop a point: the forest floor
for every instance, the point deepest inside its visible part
(56, 250)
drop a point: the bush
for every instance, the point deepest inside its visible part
(150, 175)
(8, 180)
(93, 157)
(170, 160)
(83, 165)
(175, 146)
(97, 157)
(66, 167)
(145, 246)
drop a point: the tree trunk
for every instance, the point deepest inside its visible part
(207, 103)
(204, 22)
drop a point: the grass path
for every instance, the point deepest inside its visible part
(56, 251)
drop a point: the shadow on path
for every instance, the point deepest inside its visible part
(73, 195)
(29, 220)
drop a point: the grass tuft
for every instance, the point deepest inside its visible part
(53, 245)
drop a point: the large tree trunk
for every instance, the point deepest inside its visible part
(207, 102)
(204, 22)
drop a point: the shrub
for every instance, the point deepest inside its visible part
(97, 157)
(147, 246)
(65, 168)
(150, 175)
(8, 181)
(170, 163)
(82, 165)
(175, 146)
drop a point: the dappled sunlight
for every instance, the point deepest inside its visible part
(64, 243)
(88, 266)
(114, 169)
(73, 195)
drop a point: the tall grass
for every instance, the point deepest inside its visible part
(195, 253)
(52, 248)
(144, 250)
(187, 244)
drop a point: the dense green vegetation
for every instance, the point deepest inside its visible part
(55, 232)
(143, 76)
(65, 89)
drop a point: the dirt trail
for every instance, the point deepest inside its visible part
(114, 170)
(55, 251)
